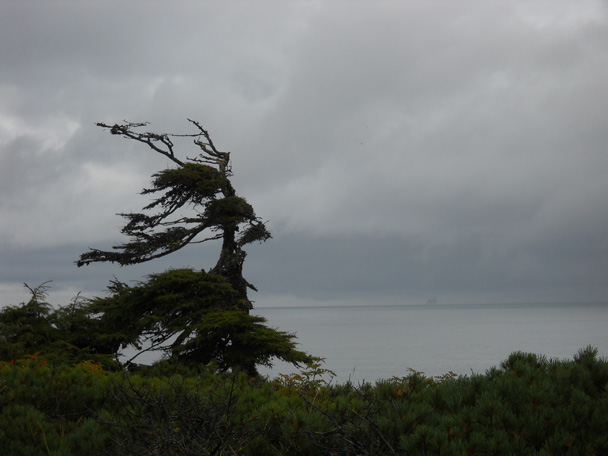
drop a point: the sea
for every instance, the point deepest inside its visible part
(370, 343)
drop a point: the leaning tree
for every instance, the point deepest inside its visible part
(194, 317)
(199, 186)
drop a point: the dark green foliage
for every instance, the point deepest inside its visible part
(236, 339)
(193, 317)
(528, 406)
(49, 409)
(27, 327)
(192, 183)
(175, 415)
(189, 317)
(63, 335)
(79, 332)
(165, 306)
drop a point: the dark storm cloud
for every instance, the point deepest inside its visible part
(354, 266)
(397, 148)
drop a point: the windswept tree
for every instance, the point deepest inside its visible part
(198, 186)
(193, 317)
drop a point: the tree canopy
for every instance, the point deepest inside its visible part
(199, 187)
(192, 317)
(69, 333)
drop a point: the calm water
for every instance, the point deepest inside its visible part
(373, 342)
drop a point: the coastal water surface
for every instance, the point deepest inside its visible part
(367, 343)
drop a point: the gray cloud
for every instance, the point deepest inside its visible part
(396, 148)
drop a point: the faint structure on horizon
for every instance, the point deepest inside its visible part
(431, 301)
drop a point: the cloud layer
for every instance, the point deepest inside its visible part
(403, 149)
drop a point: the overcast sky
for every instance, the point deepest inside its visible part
(398, 150)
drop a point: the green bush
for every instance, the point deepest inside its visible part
(50, 409)
(529, 405)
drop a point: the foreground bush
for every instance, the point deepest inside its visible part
(529, 405)
(50, 409)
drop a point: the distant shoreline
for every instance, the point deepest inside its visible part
(438, 306)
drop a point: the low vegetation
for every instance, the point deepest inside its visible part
(528, 405)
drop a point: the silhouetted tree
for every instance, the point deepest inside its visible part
(192, 317)
(202, 185)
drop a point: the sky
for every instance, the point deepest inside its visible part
(398, 151)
